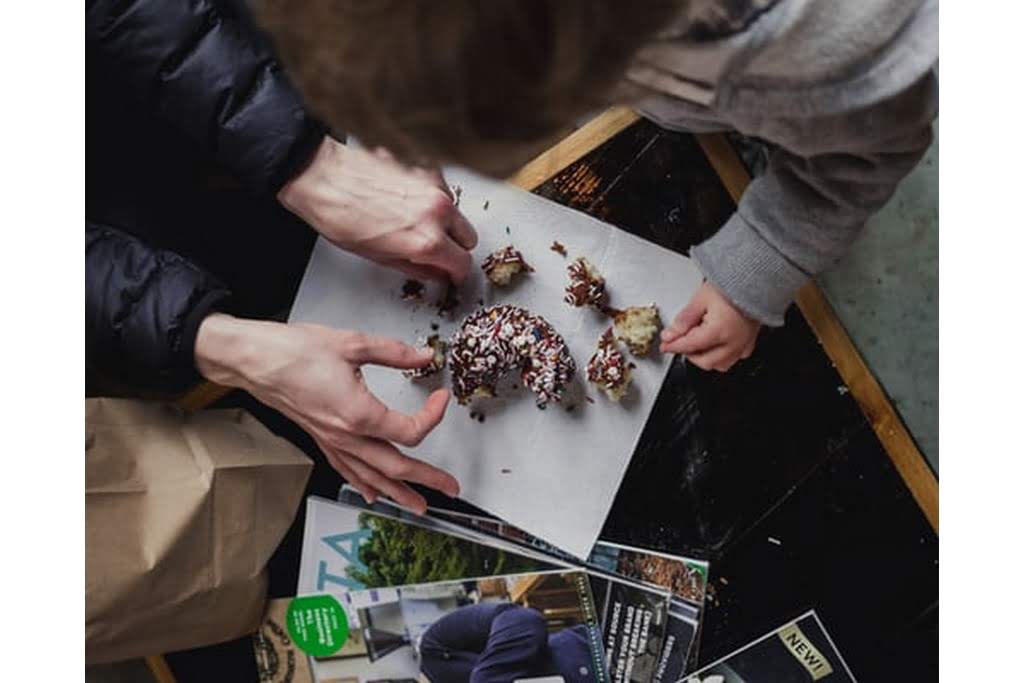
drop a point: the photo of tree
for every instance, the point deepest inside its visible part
(397, 553)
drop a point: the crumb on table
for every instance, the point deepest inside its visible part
(412, 290)
(449, 300)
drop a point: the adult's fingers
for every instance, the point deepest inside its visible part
(422, 271)
(428, 247)
(408, 430)
(398, 491)
(439, 250)
(462, 231)
(360, 348)
(339, 462)
(387, 460)
(438, 178)
(687, 319)
(415, 270)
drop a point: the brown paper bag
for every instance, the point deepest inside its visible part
(182, 512)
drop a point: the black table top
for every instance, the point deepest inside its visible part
(770, 471)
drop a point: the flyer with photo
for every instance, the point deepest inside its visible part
(796, 652)
(535, 627)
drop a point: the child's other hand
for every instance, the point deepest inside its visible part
(711, 332)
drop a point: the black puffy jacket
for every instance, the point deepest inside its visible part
(143, 308)
(202, 73)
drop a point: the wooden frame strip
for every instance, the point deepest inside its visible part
(160, 670)
(588, 137)
(863, 385)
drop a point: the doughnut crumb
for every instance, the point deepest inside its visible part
(637, 327)
(412, 290)
(437, 363)
(503, 265)
(608, 370)
(586, 285)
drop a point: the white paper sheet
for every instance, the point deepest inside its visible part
(552, 473)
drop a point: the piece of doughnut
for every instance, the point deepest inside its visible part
(637, 327)
(608, 369)
(586, 285)
(436, 365)
(495, 341)
(503, 265)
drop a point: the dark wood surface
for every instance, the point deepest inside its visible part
(770, 471)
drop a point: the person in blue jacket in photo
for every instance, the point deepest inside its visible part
(503, 643)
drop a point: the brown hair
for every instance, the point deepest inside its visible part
(487, 83)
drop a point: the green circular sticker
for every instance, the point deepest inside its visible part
(317, 624)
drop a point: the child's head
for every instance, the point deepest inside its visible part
(488, 83)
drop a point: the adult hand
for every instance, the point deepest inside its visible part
(711, 332)
(369, 204)
(312, 375)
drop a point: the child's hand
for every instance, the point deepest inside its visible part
(711, 332)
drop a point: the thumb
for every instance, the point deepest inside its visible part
(687, 319)
(367, 348)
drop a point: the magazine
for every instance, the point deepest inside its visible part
(797, 652)
(536, 627)
(633, 620)
(351, 546)
(680, 639)
(685, 577)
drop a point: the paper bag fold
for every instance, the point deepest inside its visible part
(182, 512)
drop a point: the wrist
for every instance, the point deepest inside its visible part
(225, 346)
(299, 194)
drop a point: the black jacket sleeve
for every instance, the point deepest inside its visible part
(201, 67)
(143, 307)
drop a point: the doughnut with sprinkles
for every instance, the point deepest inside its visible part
(495, 341)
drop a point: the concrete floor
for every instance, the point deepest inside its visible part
(886, 292)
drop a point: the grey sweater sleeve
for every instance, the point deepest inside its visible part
(827, 177)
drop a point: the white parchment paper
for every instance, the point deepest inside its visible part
(553, 473)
